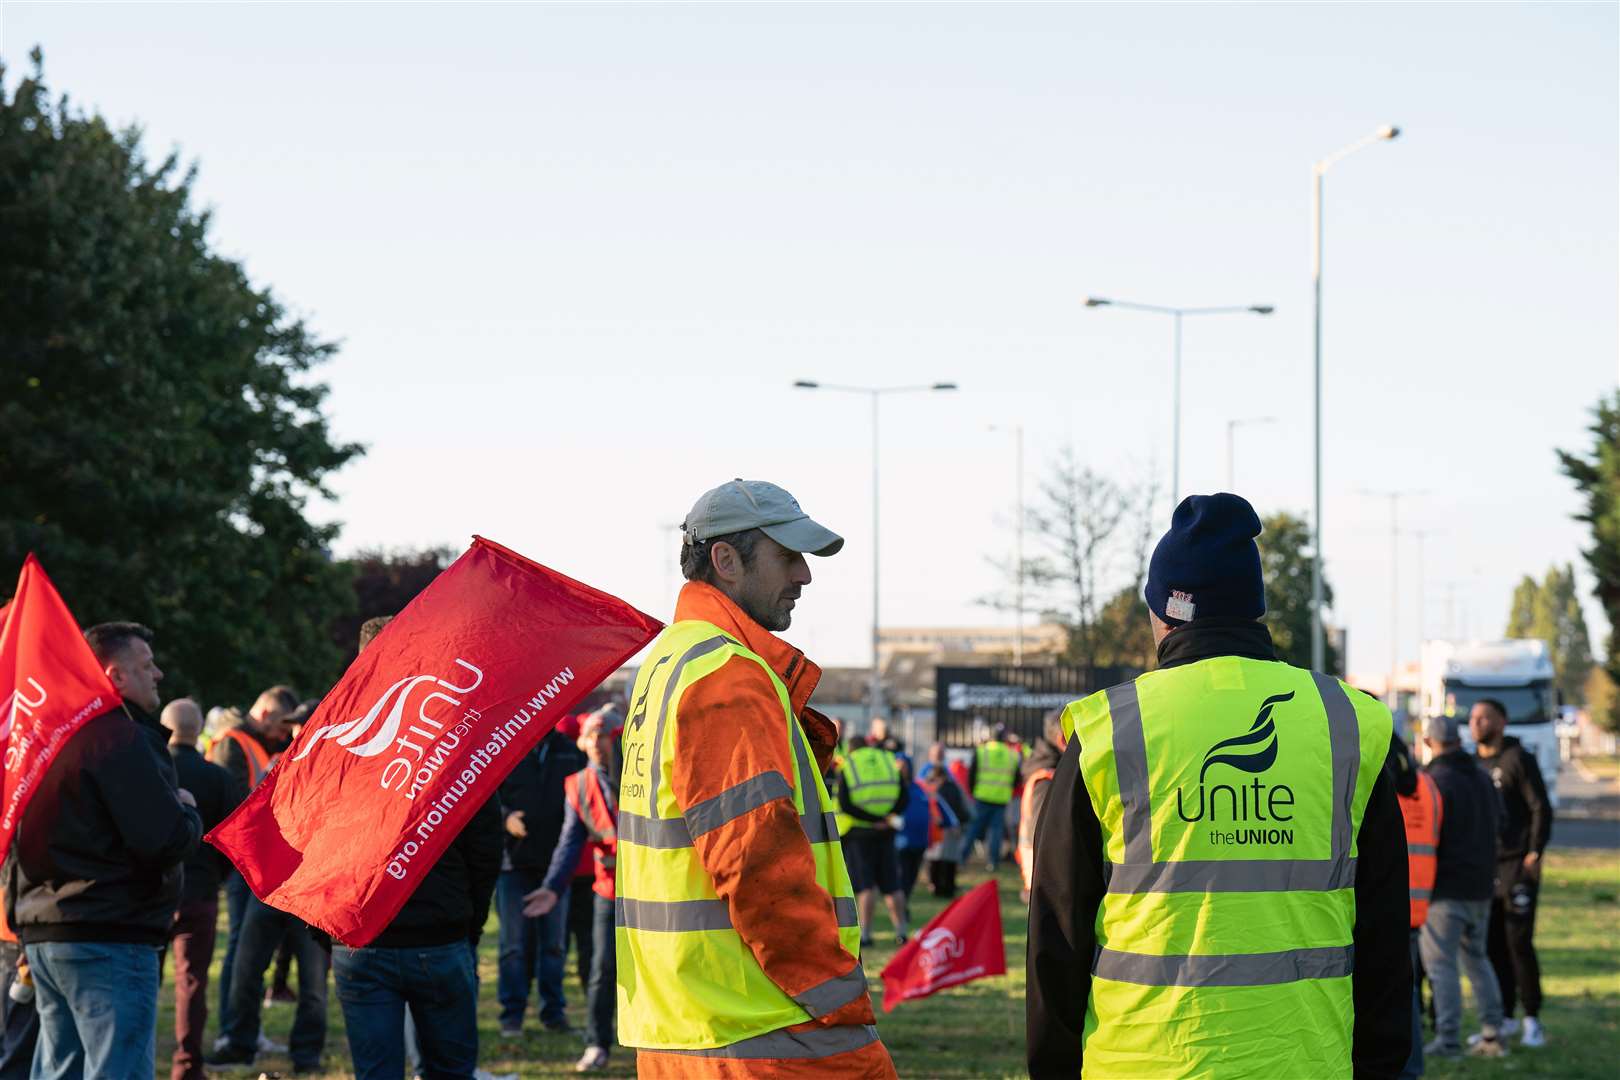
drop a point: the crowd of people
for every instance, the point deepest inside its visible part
(714, 853)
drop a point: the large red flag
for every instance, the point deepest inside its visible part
(50, 684)
(419, 733)
(960, 944)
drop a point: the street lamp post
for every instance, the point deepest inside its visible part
(1018, 551)
(874, 392)
(1319, 172)
(1231, 445)
(1177, 313)
(1394, 498)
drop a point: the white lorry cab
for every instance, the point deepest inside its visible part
(1516, 672)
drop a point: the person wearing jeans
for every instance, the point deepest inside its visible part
(435, 982)
(263, 928)
(1458, 925)
(114, 983)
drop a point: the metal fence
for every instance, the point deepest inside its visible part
(971, 700)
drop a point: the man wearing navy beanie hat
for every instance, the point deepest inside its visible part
(1238, 782)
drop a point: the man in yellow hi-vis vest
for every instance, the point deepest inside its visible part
(1220, 882)
(736, 933)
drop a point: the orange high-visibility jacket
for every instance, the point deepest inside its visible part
(760, 863)
(598, 808)
(1028, 810)
(1422, 811)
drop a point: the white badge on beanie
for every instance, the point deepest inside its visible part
(1179, 606)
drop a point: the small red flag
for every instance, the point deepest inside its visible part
(419, 733)
(960, 944)
(50, 684)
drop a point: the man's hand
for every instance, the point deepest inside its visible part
(515, 826)
(538, 903)
(186, 798)
(1532, 866)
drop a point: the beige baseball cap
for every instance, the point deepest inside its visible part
(755, 504)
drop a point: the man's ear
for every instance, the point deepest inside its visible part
(115, 675)
(727, 563)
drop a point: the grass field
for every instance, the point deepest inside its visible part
(976, 1030)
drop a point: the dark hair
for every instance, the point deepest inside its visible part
(285, 697)
(696, 564)
(109, 639)
(371, 628)
(1500, 709)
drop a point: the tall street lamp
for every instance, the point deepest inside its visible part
(1231, 445)
(1319, 171)
(1177, 313)
(1018, 550)
(875, 393)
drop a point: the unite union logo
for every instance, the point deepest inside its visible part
(937, 949)
(358, 737)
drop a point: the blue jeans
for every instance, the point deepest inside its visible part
(237, 894)
(603, 995)
(97, 1006)
(1453, 943)
(531, 950)
(263, 928)
(436, 983)
(986, 815)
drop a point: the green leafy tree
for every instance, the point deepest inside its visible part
(384, 582)
(160, 435)
(1596, 474)
(1285, 563)
(1551, 610)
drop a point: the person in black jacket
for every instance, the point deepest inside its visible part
(1518, 869)
(95, 881)
(1072, 876)
(533, 949)
(217, 794)
(1459, 907)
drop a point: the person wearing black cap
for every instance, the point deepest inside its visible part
(1220, 877)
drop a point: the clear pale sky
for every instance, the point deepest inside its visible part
(576, 256)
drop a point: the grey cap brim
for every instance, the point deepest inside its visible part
(804, 535)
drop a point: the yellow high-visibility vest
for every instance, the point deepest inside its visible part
(1229, 793)
(686, 979)
(995, 769)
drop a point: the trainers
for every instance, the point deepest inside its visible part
(229, 1055)
(1533, 1034)
(594, 1058)
(266, 1046)
(1439, 1048)
(1489, 1045)
(1504, 1031)
(511, 1031)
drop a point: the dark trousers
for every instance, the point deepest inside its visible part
(19, 1022)
(263, 927)
(193, 945)
(1510, 945)
(942, 877)
(581, 923)
(236, 898)
(601, 997)
(911, 860)
(436, 983)
(531, 950)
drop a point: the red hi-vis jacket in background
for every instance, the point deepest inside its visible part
(598, 809)
(50, 685)
(1423, 812)
(419, 733)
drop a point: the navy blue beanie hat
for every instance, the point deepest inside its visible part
(1207, 564)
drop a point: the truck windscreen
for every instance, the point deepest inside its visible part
(1525, 704)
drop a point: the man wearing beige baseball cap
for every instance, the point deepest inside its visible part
(738, 937)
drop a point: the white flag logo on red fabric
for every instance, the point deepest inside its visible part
(960, 944)
(419, 733)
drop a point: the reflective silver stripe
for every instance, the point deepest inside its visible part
(1241, 969)
(671, 916)
(653, 832)
(1420, 849)
(1236, 875)
(844, 908)
(820, 828)
(676, 916)
(838, 991)
(1130, 764)
(812, 1043)
(736, 801)
(1344, 732)
(702, 648)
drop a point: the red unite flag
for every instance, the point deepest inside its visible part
(50, 684)
(960, 944)
(418, 734)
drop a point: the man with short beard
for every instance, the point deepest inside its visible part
(96, 876)
(737, 930)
